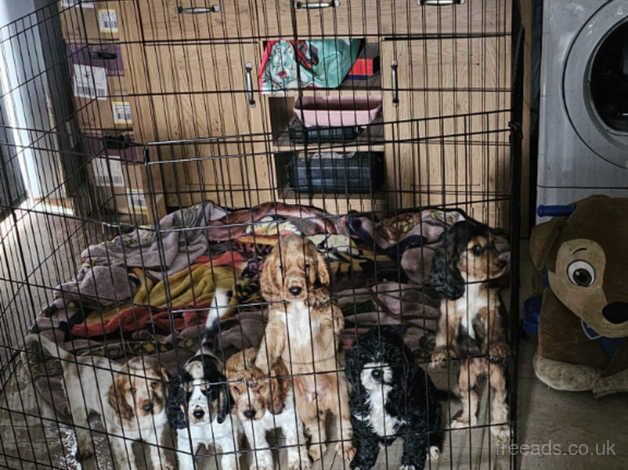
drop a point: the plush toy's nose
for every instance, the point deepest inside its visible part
(617, 312)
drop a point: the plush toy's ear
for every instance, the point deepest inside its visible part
(543, 239)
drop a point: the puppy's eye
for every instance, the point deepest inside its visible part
(377, 374)
(154, 385)
(476, 250)
(581, 273)
(132, 390)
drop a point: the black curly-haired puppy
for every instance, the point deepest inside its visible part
(390, 397)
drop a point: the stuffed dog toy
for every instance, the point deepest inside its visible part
(583, 331)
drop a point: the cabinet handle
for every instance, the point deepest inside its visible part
(440, 2)
(395, 83)
(249, 84)
(316, 5)
(198, 10)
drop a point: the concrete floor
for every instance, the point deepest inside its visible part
(544, 417)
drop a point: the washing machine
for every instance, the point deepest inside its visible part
(583, 126)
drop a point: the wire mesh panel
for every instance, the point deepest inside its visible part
(259, 234)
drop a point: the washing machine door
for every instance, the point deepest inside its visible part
(595, 83)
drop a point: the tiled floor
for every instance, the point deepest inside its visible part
(546, 418)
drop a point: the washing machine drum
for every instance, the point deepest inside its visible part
(595, 83)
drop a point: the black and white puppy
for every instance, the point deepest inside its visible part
(199, 408)
(391, 396)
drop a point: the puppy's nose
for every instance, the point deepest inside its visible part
(148, 406)
(250, 413)
(295, 290)
(616, 312)
(198, 413)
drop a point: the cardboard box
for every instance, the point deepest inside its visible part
(121, 179)
(95, 21)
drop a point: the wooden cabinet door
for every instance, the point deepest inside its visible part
(446, 119)
(207, 92)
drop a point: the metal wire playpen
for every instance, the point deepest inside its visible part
(221, 219)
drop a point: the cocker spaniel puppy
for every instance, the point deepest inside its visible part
(264, 403)
(391, 397)
(130, 398)
(470, 326)
(199, 407)
(303, 330)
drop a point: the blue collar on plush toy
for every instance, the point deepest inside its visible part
(609, 345)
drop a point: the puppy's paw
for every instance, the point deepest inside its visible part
(263, 466)
(463, 421)
(434, 454)
(299, 465)
(407, 467)
(316, 451)
(497, 352)
(262, 462)
(501, 433)
(348, 451)
(440, 356)
(299, 461)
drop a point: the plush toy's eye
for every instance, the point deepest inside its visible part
(581, 273)
(476, 250)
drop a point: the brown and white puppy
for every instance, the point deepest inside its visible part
(303, 330)
(130, 399)
(470, 326)
(265, 402)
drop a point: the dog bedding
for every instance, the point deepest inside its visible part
(122, 303)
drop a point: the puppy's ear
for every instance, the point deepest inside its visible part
(220, 391)
(165, 377)
(322, 269)
(279, 386)
(445, 278)
(353, 365)
(271, 278)
(118, 399)
(176, 403)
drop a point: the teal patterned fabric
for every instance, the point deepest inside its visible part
(322, 63)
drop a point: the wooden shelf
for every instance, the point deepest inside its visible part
(335, 203)
(371, 138)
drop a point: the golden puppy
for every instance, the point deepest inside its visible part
(303, 330)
